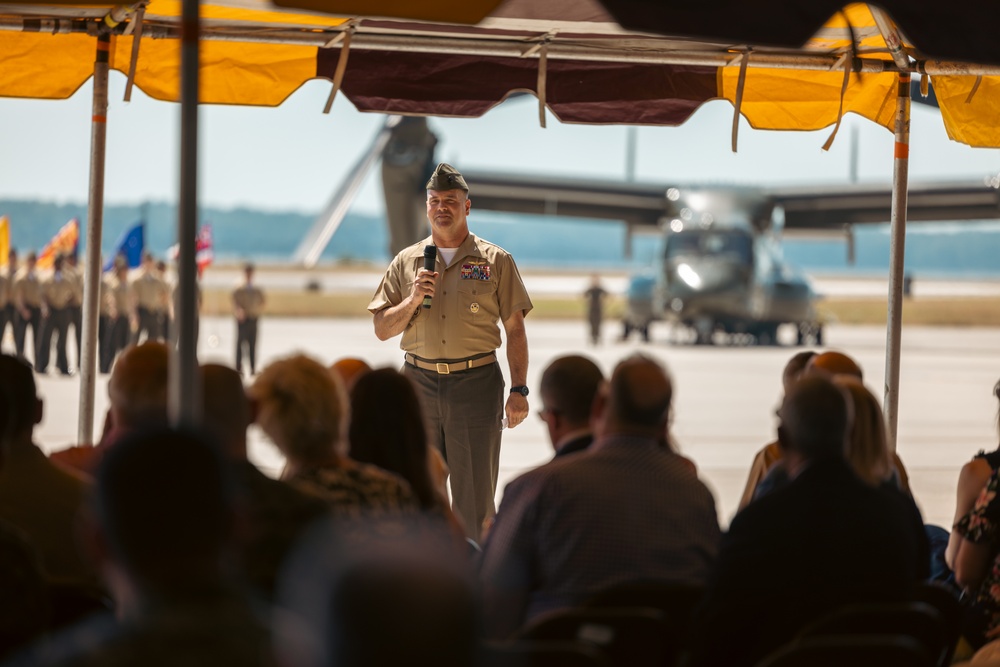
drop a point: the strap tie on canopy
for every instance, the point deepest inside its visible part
(975, 89)
(135, 29)
(345, 52)
(542, 49)
(847, 60)
(738, 104)
(925, 87)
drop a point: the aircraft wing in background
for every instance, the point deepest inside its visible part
(807, 209)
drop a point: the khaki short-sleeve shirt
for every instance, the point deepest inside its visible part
(250, 298)
(27, 289)
(147, 292)
(480, 288)
(58, 291)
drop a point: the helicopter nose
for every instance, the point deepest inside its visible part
(708, 277)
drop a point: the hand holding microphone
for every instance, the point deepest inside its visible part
(430, 258)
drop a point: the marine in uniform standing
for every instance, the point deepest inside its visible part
(595, 308)
(146, 295)
(75, 276)
(27, 297)
(451, 345)
(57, 297)
(248, 304)
(114, 315)
(6, 295)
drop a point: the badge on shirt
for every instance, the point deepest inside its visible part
(475, 270)
(474, 307)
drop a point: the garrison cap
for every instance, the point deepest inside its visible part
(446, 177)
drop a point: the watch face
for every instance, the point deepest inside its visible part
(520, 390)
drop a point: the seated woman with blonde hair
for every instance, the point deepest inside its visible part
(303, 409)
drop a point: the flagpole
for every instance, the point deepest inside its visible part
(95, 223)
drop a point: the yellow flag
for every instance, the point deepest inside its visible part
(4, 239)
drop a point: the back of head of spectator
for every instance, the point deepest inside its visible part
(835, 363)
(24, 408)
(636, 400)
(867, 447)
(225, 409)
(138, 387)
(568, 387)
(996, 395)
(163, 513)
(302, 407)
(350, 370)
(795, 367)
(815, 423)
(397, 444)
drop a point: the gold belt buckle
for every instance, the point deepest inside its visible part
(442, 368)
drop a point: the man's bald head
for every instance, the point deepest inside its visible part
(835, 363)
(815, 419)
(639, 396)
(138, 386)
(225, 408)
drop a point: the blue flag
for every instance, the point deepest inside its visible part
(130, 245)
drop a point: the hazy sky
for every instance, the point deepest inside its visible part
(293, 156)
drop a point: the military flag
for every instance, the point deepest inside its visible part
(129, 245)
(4, 239)
(65, 242)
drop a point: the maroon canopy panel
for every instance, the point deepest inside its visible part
(469, 86)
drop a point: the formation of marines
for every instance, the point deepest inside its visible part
(47, 303)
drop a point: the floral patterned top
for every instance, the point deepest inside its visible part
(355, 489)
(982, 526)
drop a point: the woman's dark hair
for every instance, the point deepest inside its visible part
(387, 430)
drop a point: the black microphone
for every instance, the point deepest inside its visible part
(430, 257)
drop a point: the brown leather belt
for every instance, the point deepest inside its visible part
(448, 367)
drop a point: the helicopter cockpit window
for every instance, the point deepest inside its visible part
(733, 243)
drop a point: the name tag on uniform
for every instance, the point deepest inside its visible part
(475, 271)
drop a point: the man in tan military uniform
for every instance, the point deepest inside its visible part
(114, 315)
(57, 297)
(27, 297)
(75, 275)
(146, 297)
(248, 304)
(451, 345)
(6, 296)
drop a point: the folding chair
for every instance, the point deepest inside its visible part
(677, 602)
(542, 654)
(850, 650)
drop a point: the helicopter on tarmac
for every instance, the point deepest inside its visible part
(722, 273)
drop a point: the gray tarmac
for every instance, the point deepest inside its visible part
(724, 397)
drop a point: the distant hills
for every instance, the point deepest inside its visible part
(970, 249)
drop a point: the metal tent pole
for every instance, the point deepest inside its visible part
(900, 177)
(95, 223)
(184, 398)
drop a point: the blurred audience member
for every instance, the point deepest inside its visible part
(377, 592)
(971, 480)
(771, 453)
(350, 370)
(24, 607)
(568, 387)
(625, 509)
(162, 525)
(137, 390)
(275, 514)
(38, 497)
(824, 540)
(302, 407)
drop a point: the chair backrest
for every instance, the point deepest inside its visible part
(630, 637)
(916, 620)
(676, 601)
(542, 654)
(945, 600)
(852, 650)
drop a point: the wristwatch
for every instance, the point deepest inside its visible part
(522, 390)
